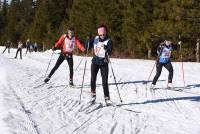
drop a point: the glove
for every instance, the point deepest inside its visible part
(105, 47)
(85, 52)
(54, 48)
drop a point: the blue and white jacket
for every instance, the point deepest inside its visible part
(164, 53)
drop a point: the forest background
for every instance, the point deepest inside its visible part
(136, 27)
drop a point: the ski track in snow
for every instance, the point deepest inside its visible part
(53, 108)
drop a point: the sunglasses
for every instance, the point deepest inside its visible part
(102, 34)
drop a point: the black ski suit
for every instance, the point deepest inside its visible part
(101, 63)
(164, 53)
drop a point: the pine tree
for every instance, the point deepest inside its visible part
(47, 21)
(3, 20)
(13, 29)
(28, 12)
(136, 27)
(82, 18)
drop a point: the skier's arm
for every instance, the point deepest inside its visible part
(59, 42)
(159, 50)
(171, 48)
(109, 47)
(79, 45)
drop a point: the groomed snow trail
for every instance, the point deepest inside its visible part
(53, 108)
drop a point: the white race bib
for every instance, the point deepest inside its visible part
(99, 50)
(69, 45)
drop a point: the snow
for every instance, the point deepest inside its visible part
(28, 106)
(3, 127)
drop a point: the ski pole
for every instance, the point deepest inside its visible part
(183, 74)
(151, 73)
(79, 63)
(150, 76)
(49, 64)
(86, 55)
(114, 77)
(182, 68)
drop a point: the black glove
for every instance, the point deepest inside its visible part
(54, 48)
(85, 52)
(105, 47)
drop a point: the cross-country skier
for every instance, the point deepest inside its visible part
(67, 44)
(19, 49)
(102, 45)
(164, 55)
(35, 47)
(28, 46)
(8, 46)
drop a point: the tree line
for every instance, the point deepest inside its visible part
(135, 26)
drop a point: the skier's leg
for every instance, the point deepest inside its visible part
(9, 50)
(71, 64)
(29, 49)
(20, 53)
(158, 72)
(104, 75)
(58, 63)
(17, 53)
(169, 67)
(4, 50)
(94, 71)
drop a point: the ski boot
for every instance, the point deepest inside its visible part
(108, 101)
(152, 87)
(47, 79)
(93, 97)
(169, 86)
(71, 84)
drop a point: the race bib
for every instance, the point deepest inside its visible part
(69, 45)
(99, 50)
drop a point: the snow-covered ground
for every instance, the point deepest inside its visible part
(27, 107)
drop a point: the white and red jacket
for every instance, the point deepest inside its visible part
(67, 45)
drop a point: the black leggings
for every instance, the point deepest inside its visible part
(28, 49)
(19, 50)
(159, 66)
(58, 63)
(104, 74)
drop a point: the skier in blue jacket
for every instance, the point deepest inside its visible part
(164, 55)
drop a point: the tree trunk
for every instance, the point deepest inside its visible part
(43, 47)
(149, 53)
(197, 52)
